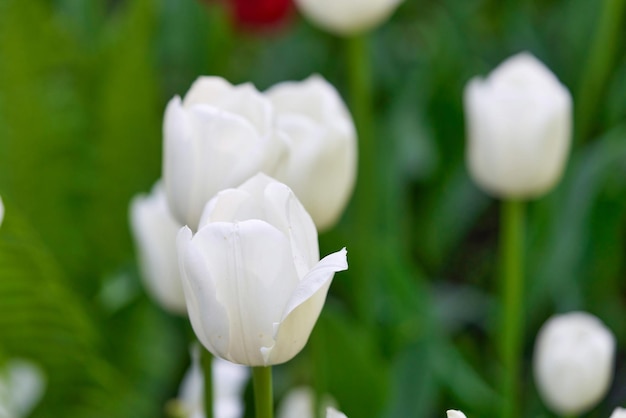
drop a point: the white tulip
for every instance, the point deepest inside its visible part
(22, 385)
(217, 137)
(347, 17)
(453, 413)
(573, 362)
(619, 413)
(333, 413)
(1, 211)
(519, 128)
(252, 278)
(229, 381)
(300, 402)
(154, 230)
(321, 139)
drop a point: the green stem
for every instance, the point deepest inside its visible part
(206, 361)
(263, 398)
(512, 244)
(364, 203)
(360, 84)
(318, 348)
(598, 66)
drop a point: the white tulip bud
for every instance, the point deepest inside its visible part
(518, 127)
(453, 413)
(321, 139)
(619, 413)
(347, 17)
(573, 362)
(252, 278)
(216, 138)
(154, 230)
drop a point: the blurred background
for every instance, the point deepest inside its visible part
(409, 329)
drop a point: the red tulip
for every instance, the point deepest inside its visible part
(259, 14)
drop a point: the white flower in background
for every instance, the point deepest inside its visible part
(519, 122)
(154, 230)
(22, 385)
(333, 413)
(619, 413)
(252, 277)
(229, 381)
(300, 402)
(321, 138)
(217, 137)
(1, 211)
(573, 362)
(347, 17)
(453, 413)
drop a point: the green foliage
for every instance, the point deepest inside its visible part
(83, 86)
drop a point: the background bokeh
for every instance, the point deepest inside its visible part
(409, 329)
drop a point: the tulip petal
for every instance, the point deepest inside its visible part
(232, 204)
(207, 90)
(244, 100)
(179, 161)
(254, 278)
(285, 212)
(321, 139)
(208, 316)
(303, 308)
(228, 151)
(154, 231)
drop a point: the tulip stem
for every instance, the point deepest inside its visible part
(263, 398)
(511, 253)
(360, 84)
(365, 196)
(206, 360)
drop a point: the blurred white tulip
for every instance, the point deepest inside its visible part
(333, 413)
(347, 17)
(322, 148)
(619, 413)
(1, 211)
(300, 402)
(154, 230)
(229, 381)
(453, 413)
(22, 385)
(217, 137)
(252, 277)
(518, 127)
(573, 362)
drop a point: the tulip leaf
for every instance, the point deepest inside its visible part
(414, 386)
(355, 373)
(562, 226)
